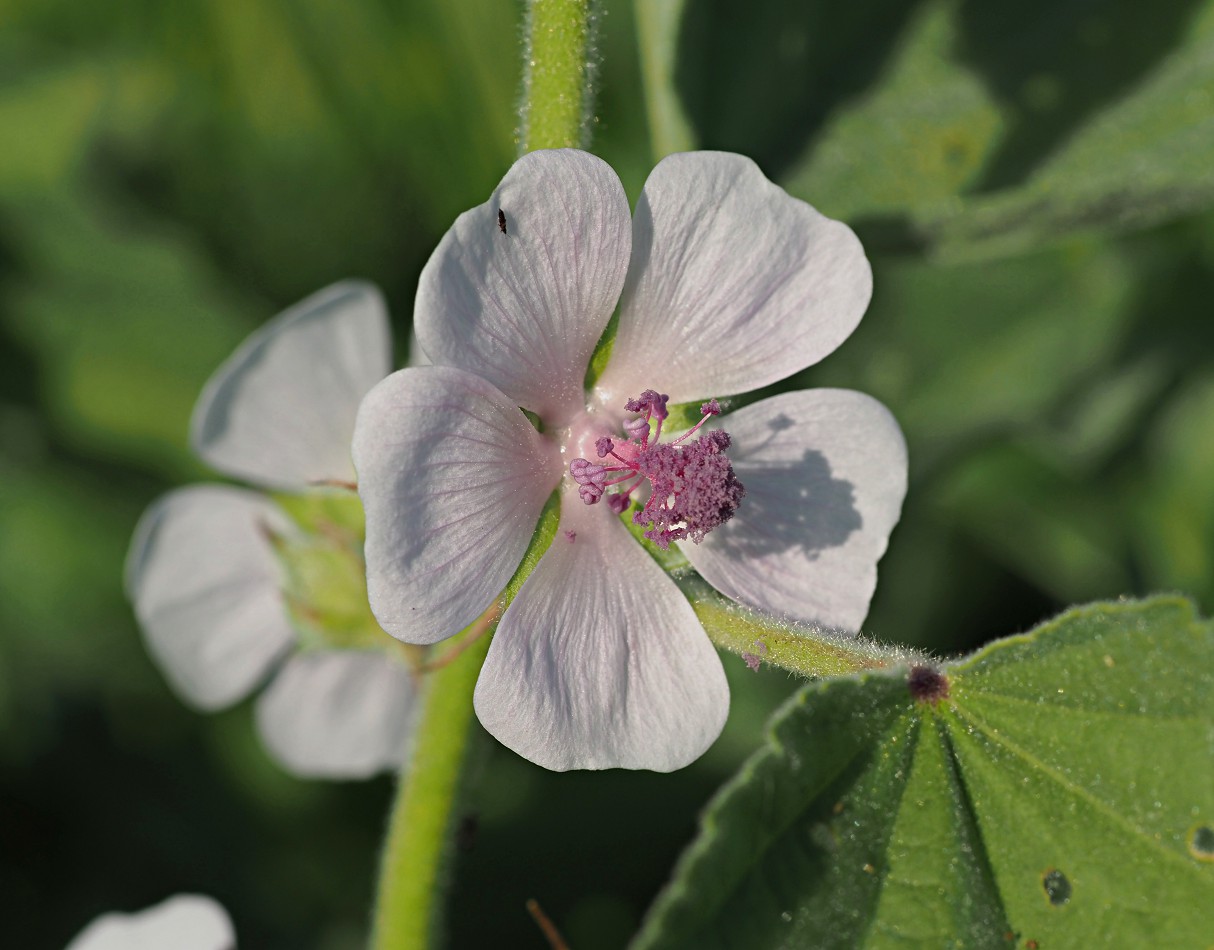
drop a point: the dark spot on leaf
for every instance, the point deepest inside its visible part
(501, 220)
(1201, 843)
(927, 684)
(1031, 945)
(1057, 887)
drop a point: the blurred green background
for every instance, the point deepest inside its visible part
(1031, 182)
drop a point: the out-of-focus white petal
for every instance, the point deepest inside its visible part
(825, 475)
(280, 411)
(453, 478)
(207, 591)
(733, 283)
(339, 714)
(183, 922)
(525, 308)
(600, 661)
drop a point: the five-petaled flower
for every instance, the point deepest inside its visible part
(205, 571)
(725, 284)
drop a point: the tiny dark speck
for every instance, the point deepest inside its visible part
(1057, 887)
(501, 220)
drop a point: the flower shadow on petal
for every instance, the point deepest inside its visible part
(791, 505)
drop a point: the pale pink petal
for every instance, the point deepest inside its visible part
(733, 283)
(280, 411)
(207, 591)
(452, 477)
(339, 714)
(825, 475)
(525, 308)
(183, 922)
(600, 661)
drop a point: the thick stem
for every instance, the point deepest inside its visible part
(556, 110)
(409, 905)
(558, 83)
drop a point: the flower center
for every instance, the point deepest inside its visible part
(693, 488)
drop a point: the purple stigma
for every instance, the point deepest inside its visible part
(693, 488)
(591, 479)
(651, 402)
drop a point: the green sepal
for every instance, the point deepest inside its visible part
(326, 582)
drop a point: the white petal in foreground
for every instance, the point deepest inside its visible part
(207, 591)
(338, 714)
(600, 661)
(452, 477)
(825, 475)
(520, 289)
(184, 922)
(733, 283)
(280, 411)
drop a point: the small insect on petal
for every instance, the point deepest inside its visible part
(501, 220)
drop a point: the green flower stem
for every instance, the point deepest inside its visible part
(558, 93)
(409, 906)
(558, 83)
(657, 25)
(797, 647)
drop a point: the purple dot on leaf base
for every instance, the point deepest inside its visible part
(927, 684)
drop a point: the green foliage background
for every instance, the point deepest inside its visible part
(1032, 183)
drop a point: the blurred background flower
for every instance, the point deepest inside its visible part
(1031, 183)
(233, 587)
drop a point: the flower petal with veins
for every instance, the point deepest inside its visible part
(453, 478)
(525, 309)
(734, 284)
(600, 661)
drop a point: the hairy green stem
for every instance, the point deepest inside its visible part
(409, 906)
(556, 111)
(797, 647)
(558, 80)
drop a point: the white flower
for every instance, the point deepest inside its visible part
(203, 574)
(183, 922)
(725, 284)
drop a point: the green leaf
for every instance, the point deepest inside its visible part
(987, 129)
(1060, 795)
